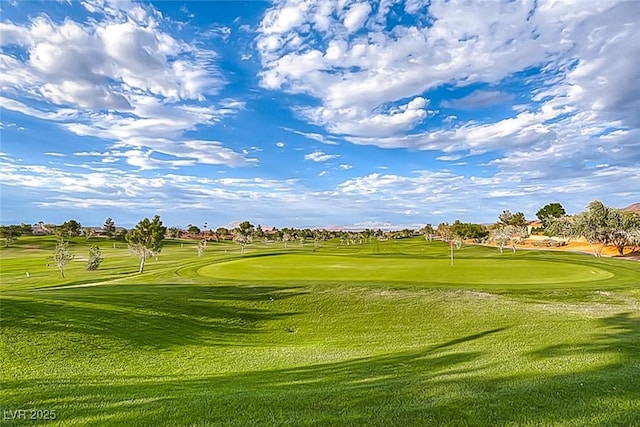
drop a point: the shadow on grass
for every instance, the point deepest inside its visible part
(436, 385)
(322, 393)
(154, 316)
(622, 335)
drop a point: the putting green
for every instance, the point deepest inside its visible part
(481, 271)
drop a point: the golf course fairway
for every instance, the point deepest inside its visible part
(478, 271)
(375, 334)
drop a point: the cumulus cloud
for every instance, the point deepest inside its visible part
(94, 65)
(356, 16)
(119, 78)
(355, 76)
(369, 86)
(397, 119)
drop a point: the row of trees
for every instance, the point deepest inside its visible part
(70, 228)
(10, 233)
(144, 240)
(600, 226)
(285, 234)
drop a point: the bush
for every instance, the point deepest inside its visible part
(549, 243)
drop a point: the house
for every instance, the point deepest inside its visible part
(533, 225)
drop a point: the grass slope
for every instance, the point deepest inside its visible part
(210, 341)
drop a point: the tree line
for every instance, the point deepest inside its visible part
(598, 224)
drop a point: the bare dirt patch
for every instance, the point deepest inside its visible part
(578, 247)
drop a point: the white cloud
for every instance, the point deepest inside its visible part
(319, 156)
(150, 130)
(314, 136)
(413, 6)
(89, 153)
(398, 119)
(94, 65)
(369, 87)
(121, 79)
(83, 95)
(281, 20)
(230, 106)
(115, 185)
(144, 161)
(345, 166)
(355, 77)
(378, 196)
(280, 144)
(356, 16)
(450, 157)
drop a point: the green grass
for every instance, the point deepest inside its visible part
(374, 334)
(473, 272)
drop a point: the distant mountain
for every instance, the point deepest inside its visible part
(230, 225)
(633, 208)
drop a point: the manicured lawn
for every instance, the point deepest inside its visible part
(466, 271)
(385, 333)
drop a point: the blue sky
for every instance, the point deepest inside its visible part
(316, 113)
